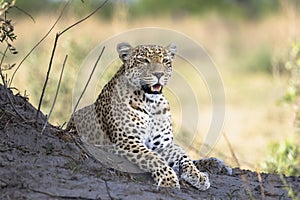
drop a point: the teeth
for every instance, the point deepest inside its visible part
(157, 88)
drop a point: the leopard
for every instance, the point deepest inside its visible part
(132, 116)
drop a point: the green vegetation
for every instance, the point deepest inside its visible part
(284, 156)
(231, 8)
(250, 9)
(292, 95)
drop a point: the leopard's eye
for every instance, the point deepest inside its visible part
(141, 59)
(144, 60)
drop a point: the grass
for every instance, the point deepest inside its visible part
(283, 159)
(242, 51)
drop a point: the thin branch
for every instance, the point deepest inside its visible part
(1, 62)
(25, 12)
(13, 106)
(88, 81)
(56, 93)
(53, 52)
(47, 76)
(39, 42)
(85, 18)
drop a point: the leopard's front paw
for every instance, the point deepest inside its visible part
(166, 177)
(213, 165)
(196, 178)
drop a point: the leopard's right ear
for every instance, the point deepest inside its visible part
(124, 49)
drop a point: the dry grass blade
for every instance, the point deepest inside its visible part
(89, 79)
(56, 93)
(231, 149)
(243, 177)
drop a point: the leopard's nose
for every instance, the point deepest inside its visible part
(158, 74)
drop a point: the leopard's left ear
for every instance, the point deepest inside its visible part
(124, 49)
(172, 49)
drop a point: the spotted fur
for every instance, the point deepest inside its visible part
(132, 115)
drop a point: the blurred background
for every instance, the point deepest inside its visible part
(254, 44)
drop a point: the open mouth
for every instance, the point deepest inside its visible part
(153, 89)
(156, 88)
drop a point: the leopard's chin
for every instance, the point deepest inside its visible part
(153, 89)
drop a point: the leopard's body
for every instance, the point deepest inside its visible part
(132, 115)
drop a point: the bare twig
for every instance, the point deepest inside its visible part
(85, 18)
(26, 13)
(39, 42)
(47, 76)
(89, 79)
(12, 104)
(56, 93)
(53, 52)
(1, 62)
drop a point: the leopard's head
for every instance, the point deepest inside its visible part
(147, 67)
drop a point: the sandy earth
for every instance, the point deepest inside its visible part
(52, 166)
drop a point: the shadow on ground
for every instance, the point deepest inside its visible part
(52, 166)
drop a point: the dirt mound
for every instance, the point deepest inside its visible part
(52, 166)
